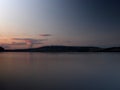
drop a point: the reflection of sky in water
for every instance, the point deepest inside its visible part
(76, 70)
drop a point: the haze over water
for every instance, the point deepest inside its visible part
(61, 70)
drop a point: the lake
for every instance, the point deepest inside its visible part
(70, 71)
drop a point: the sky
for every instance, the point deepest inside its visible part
(36, 23)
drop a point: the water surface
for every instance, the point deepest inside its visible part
(35, 71)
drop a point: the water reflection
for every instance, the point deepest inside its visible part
(67, 70)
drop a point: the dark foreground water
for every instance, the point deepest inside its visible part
(49, 71)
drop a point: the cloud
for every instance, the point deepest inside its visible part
(16, 43)
(45, 35)
(20, 38)
(30, 41)
(38, 43)
(5, 45)
(8, 45)
(23, 39)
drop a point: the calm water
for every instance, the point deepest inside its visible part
(37, 71)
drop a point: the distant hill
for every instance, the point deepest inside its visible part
(67, 49)
(112, 49)
(1, 49)
(59, 49)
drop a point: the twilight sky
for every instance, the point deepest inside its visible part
(34, 23)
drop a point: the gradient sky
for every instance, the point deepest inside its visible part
(33, 23)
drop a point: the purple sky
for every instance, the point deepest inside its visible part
(34, 23)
